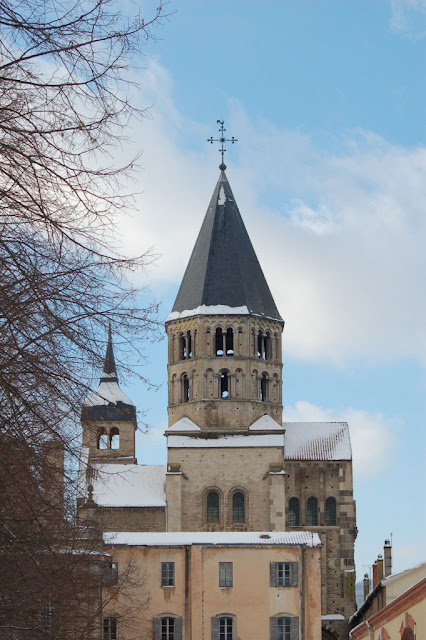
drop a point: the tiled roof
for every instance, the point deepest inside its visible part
(317, 441)
(210, 538)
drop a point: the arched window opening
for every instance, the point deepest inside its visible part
(218, 342)
(188, 345)
(264, 383)
(293, 512)
(182, 347)
(238, 507)
(212, 511)
(312, 512)
(229, 342)
(102, 441)
(260, 344)
(185, 388)
(330, 512)
(224, 384)
(268, 346)
(114, 438)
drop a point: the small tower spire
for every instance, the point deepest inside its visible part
(109, 373)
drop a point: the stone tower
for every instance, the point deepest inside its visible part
(224, 332)
(108, 418)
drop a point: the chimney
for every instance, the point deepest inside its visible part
(366, 585)
(375, 581)
(379, 567)
(388, 558)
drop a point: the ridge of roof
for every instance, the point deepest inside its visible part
(223, 273)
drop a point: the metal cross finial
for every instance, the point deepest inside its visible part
(222, 140)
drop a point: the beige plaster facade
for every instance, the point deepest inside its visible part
(196, 597)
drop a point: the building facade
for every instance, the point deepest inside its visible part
(232, 465)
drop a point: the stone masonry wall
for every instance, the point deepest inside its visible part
(321, 479)
(228, 469)
(245, 402)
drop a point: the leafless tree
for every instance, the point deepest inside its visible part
(64, 103)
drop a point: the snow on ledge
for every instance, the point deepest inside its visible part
(219, 441)
(333, 616)
(210, 310)
(186, 538)
(265, 423)
(184, 424)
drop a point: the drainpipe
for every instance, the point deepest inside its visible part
(302, 604)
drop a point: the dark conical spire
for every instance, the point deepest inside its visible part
(109, 373)
(223, 270)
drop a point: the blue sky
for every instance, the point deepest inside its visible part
(327, 99)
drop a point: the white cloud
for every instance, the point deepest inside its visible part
(408, 17)
(372, 435)
(340, 234)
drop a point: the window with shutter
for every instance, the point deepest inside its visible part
(167, 574)
(284, 628)
(283, 574)
(225, 574)
(223, 627)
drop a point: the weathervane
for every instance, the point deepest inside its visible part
(222, 140)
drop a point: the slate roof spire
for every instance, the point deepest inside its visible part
(109, 373)
(223, 275)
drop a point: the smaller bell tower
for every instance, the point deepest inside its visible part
(108, 418)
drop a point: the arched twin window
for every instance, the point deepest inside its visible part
(212, 511)
(264, 345)
(224, 342)
(312, 512)
(293, 512)
(330, 512)
(111, 441)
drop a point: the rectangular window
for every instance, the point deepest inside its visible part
(167, 574)
(284, 574)
(168, 629)
(225, 574)
(225, 629)
(284, 629)
(111, 574)
(110, 629)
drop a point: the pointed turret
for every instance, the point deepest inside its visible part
(223, 275)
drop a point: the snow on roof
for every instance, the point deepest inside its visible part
(395, 576)
(158, 539)
(107, 392)
(218, 441)
(209, 310)
(129, 485)
(184, 424)
(265, 423)
(317, 441)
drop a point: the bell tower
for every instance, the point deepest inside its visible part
(108, 418)
(224, 332)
